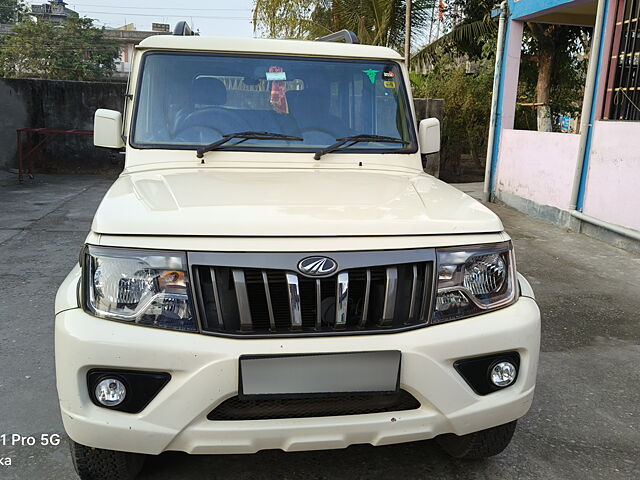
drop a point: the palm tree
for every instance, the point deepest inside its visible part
(465, 37)
(375, 22)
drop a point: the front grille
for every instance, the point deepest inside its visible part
(246, 300)
(326, 406)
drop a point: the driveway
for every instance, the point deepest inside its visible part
(584, 422)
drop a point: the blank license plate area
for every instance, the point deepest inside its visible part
(293, 375)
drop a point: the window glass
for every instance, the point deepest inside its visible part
(190, 100)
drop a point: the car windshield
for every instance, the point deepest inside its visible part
(185, 101)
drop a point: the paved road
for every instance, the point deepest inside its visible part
(585, 419)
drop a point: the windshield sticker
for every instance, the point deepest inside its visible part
(387, 75)
(276, 76)
(389, 84)
(371, 73)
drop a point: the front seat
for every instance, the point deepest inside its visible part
(311, 110)
(206, 119)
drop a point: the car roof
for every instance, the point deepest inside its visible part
(267, 46)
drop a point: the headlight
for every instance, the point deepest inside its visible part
(474, 279)
(144, 287)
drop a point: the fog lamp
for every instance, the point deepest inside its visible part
(110, 392)
(503, 374)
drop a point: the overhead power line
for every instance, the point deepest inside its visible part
(165, 8)
(178, 15)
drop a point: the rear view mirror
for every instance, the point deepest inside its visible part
(107, 129)
(429, 136)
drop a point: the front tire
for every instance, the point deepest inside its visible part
(99, 464)
(478, 445)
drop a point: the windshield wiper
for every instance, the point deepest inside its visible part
(244, 136)
(341, 142)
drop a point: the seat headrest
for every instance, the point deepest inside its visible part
(208, 91)
(308, 101)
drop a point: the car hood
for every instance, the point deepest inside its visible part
(318, 202)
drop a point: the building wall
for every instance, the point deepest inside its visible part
(613, 183)
(60, 105)
(537, 166)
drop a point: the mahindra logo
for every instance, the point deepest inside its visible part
(317, 266)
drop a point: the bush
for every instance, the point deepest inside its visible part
(467, 107)
(75, 50)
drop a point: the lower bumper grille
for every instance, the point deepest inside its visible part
(245, 295)
(326, 406)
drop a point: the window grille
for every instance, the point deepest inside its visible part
(622, 100)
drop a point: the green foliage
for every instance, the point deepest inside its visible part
(12, 11)
(561, 47)
(472, 29)
(278, 19)
(467, 38)
(569, 46)
(375, 22)
(467, 106)
(75, 50)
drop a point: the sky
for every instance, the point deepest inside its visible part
(227, 18)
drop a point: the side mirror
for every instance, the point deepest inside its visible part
(107, 129)
(429, 136)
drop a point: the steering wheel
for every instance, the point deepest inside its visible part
(198, 134)
(202, 119)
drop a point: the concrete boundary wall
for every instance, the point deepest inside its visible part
(564, 219)
(537, 166)
(613, 178)
(60, 105)
(535, 174)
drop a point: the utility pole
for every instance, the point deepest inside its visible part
(407, 34)
(433, 16)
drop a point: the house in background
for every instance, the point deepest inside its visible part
(55, 12)
(127, 38)
(588, 181)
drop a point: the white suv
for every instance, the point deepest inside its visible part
(274, 270)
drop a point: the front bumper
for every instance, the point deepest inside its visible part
(204, 373)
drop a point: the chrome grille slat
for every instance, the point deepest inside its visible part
(342, 298)
(267, 293)
(242, 297)
(262, 297)
(295, 307)
(414, 291)
(318, 305)
(216, 296)
(390, 294)
(365, 301)
(196, 291)
(426, 296)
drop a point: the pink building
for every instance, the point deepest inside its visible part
(128, 37)
(590, 180)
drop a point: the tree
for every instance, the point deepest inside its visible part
(75, 50)
(473, 27)
(278, 19)
(467, 105)
(12, 11)
(554, 52)
(375, 22)
(559, 60)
